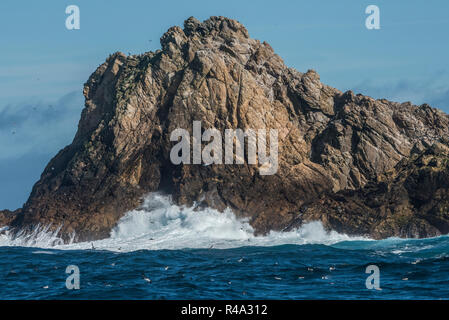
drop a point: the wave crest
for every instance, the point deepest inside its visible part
(160, 224)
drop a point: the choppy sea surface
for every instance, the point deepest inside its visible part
(163, 251)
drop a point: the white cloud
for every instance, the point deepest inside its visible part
(39, 127)
(433, 90)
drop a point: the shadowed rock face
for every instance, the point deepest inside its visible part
(6, 217)
(215, 73)
(411, 200)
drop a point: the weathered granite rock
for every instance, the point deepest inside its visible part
(411, 200)
(6, 217)
(212, 71)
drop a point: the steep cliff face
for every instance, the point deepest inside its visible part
(411, 200)
(215, 73)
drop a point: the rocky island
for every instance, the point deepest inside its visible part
(361, 166)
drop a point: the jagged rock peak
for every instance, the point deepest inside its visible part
(217, 28)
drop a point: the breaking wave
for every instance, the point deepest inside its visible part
(160, 224)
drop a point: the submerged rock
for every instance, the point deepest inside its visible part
(333, 146)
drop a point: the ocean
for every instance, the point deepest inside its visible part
(163, 251)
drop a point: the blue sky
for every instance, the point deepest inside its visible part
(43, 65)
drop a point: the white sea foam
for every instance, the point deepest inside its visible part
(41, 237)
(160, 224)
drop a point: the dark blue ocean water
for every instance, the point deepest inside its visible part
(409, 269)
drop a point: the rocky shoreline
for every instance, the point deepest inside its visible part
(361, 166)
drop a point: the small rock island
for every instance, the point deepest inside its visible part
(361, 166)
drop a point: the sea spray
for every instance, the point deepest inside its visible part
(40, 236)
(161, 224)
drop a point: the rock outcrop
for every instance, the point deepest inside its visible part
(410, 201)
(6, 217)
(333, 146)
